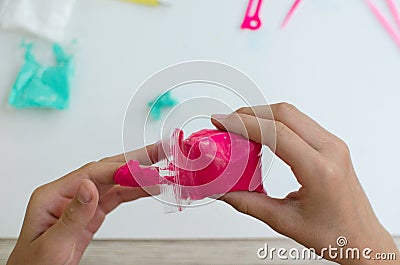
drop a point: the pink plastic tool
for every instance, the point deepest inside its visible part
(208, 163)
(395, 11)
(290, 13)
(252, 19)
(385, 23)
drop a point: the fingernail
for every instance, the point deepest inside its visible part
(84, 196)
(219, 117)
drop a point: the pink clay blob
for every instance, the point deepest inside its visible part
(207, 163)
(146, 176)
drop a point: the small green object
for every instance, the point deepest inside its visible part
(39, 86)
(164, 101)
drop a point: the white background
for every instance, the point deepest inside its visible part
(334, 61)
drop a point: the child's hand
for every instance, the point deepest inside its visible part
(330, 202)
(62, 216)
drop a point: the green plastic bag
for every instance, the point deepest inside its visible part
(39, 86)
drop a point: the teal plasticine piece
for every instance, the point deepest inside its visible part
(39, 86)
(164, 101)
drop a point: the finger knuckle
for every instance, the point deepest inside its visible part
(342, 147)
(339, 147)
(242, 110)
(38, 192)
(330, 173)
(89, 166)
(104, 159)
(284, 108)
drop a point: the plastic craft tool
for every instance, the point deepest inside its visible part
(252, 19)
(291, 13)
(384, 21)
(395, 11)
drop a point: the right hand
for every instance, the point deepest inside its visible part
(330, 203)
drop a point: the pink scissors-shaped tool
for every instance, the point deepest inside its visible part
(252, 19)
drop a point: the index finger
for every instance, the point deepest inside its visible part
(147, 155)
(287, 145)
(308, 129)
(101, 173)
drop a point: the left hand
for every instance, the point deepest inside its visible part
(63, 216)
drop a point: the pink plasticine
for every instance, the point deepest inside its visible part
(147, 176)
(385, 23)
(235, 165)
(250, 21)
(290, 13)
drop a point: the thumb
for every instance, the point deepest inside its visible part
(78, 213)
(259, 205)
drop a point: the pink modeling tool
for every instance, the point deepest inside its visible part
(385, 23)
(291, 13)
(208, 163)
(395, 11)
(252, 20)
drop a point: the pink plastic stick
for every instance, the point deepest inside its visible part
(250, 21)
(291, 13)
(395, 11)
(385, 23)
